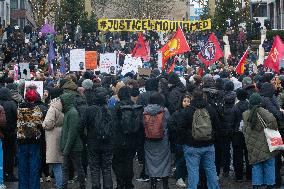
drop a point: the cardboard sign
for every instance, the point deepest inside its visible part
(131, 64)
(91, 60)
(108, 62)
(25, 71)
(144, 73)
(38, 84)
(77, 60)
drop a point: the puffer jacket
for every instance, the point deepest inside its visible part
(227, 118)
(10, 108)
(52, 125)
(70, 138)
(255, 139)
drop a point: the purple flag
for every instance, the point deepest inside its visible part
(47, 29)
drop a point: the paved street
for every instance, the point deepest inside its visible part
(227, 183)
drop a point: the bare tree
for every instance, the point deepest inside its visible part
(43, 9)
(135, 8)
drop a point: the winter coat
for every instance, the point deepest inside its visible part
(227, 118)
(185, 130)
(158, 153)
(174, 124)
(70, 138)
(89, 95)
(122, 140)
(255, 139)
(52, 125)
(174, 97)
(237, 115)
(90, 122)
(10, 108)
(250, 89)
(271, 104)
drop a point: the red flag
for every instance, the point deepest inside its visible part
(211, 52)
(240, 69)
(177, 45)
(275, 55)
(140, 49)
(172, 67)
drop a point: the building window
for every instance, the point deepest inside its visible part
(14, 4)
(22, 4)
(259, 10)
(22, 23)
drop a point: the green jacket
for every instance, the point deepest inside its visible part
(70, 138)
(255, 138)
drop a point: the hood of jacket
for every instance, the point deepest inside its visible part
(67, 101)
(5, 94)
(267, 90)
(230, 98)
(16, 96)
(56, 103)
(70, 86)
(153, 109)
(199, 103)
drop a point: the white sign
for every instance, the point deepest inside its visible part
(25, 70)
(108, 63)
(77, 60)
(38, 84)
(160, 59)
(131, 64)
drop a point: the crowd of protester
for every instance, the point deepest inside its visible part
(100, 121)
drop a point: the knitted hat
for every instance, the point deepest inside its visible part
(87, 84)
(31, 95)
(255, 99)
(247, 81)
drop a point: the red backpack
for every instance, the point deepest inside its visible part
(153, 125)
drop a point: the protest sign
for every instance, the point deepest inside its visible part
(108, 63)
(38, 84)
(16, 72)
(91, 60)
(144, 73)
(25, 70)
(152, 25)
(77, 60)
(131, 64)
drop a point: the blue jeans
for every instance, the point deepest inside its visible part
(1, 163)
(206, 157)
(264, 173)
(57, 170)
(29, 166)
(181, 171)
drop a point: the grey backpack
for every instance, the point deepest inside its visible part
(201, 125)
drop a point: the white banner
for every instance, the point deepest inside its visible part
(131, 64)
(77, 60)
(108, 63)
(38, 84)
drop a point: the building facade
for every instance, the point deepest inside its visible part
(21, 13)
(4, 12)
(275, 12)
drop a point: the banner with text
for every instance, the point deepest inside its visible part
(151, 25)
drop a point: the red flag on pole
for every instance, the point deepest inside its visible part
(140, 49)
(172, 67)
(240, 69)
(275, 55)
(177, 45)
(211, 52)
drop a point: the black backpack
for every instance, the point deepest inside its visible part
(104, 123)
(131, 118)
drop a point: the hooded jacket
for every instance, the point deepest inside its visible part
(227, 118)
(10, 108)
(174, 97)
(70, 137)
(270, 102)
(185, 129)
(52, 125)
